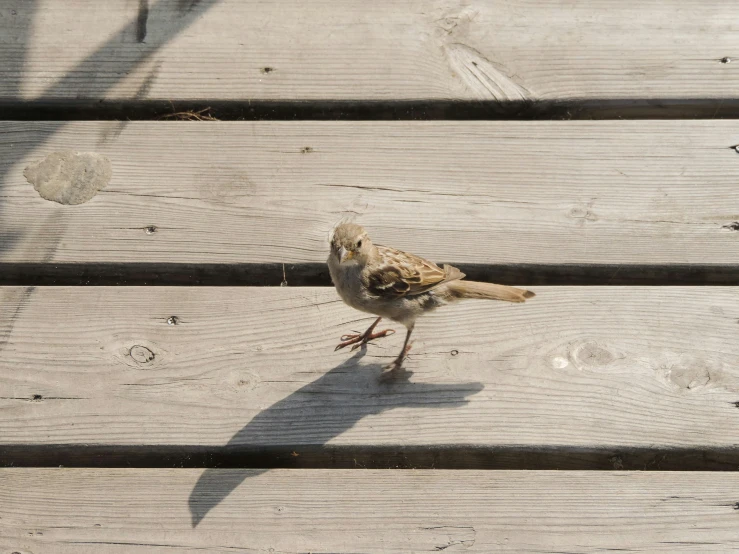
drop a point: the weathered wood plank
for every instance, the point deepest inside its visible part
(447, 49)
(119, 511)
(596, 367)
(463, 192)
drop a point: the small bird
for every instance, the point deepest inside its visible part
(396, 285)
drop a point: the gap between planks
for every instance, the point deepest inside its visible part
(602, 109)
(316, 274)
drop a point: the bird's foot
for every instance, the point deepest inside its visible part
(360, 339)
(397, 363)
(395, 372)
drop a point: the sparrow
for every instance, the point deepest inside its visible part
(397, 285)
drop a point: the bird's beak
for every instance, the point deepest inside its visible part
(345, 255)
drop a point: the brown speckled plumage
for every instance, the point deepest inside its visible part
(397, 285)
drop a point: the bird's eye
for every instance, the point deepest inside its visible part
(359, 244)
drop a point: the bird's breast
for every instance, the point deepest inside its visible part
(348, 283)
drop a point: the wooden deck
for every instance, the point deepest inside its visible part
(597, 55)
(124, 510)
(160, 392)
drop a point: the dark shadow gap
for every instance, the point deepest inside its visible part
(316, 274)
(452, 457)
(51, 109)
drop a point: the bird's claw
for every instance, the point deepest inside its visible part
(397, 364)
(385, 333)
(394, 366)
(359, 340)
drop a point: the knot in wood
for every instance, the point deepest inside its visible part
(141, 354)
(592, 355)
(689, 377)
(582, 213)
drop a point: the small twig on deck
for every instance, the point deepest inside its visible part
(189, 115)
(284, 277)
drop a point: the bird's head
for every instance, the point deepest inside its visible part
(350, 244)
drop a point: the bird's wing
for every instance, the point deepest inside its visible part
(398, 274)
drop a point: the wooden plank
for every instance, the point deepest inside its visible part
(611, 368)
(463, 192)
(349, 50)
(121, 510)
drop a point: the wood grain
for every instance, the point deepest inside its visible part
(591, 367)
(84, 511)
(350, 50)
(462, 192)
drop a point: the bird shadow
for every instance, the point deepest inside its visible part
(321, 411)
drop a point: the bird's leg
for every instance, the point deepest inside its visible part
(361, 339)
(398, 362)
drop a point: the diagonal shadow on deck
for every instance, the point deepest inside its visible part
(321, 411)
(104, 67)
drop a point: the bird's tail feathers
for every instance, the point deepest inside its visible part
(490, 291)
